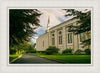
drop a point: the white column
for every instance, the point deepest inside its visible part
(56, 36)
(49, 39)
(64, 38)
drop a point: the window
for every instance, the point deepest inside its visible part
(60, 37)
(60, 32)
(69, 37)
(53, 35)
(53, 39)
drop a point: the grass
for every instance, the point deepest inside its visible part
(72, 59)
(12, 57)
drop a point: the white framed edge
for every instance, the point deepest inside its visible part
(6, 67)
(91, 8)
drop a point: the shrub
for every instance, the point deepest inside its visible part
(87, 51)
(22, 51)
(51, 50)
(67, 51)
(31, 51)
(78, 52)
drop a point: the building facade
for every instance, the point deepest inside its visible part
(60, 37)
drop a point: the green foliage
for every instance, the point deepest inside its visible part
(34, 45)
(87, 51)
(51, 50)
(78, 52)
(22, 23)
(67, 51)
(13, 50)
(84, 20)
(14, 56)
(21, 48)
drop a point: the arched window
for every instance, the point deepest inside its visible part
(60, 32)
(53, 35)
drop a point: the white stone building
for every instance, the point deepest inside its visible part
(60, 37)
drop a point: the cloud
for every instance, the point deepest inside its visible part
(33, 40)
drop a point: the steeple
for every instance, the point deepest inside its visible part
(48, 23)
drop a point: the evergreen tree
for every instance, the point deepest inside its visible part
(22, 23)
(84, 21)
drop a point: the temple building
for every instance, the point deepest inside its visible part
(60, 37)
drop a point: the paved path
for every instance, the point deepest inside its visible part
(32, 59)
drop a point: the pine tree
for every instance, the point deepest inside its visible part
(22, 23)
(84, 21)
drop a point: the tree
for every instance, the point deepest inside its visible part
(84, 19)
(34, 45)
(22, 23)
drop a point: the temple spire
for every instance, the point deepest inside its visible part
(48, 23)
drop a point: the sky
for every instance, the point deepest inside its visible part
(57, 16)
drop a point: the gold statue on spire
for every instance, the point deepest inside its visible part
(48, 23)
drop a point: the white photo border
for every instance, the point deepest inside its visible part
(4, 39)
(91, 8)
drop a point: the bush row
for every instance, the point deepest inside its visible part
(54, 50)
(77, 52)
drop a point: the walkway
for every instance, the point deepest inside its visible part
(32, 59)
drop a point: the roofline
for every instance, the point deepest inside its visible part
(42, 34)
(62, 23)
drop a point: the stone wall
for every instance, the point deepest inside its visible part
(42, 42)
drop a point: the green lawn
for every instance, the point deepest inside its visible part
(72, 59)
(12, 57)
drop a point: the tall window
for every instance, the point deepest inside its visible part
(69, 37)
(60, 37)
(53, 39)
